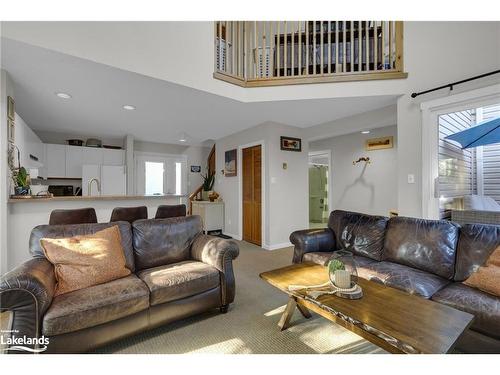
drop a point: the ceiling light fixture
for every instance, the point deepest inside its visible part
(128, 107)
(183, 137)
(365, 132)
(63, 95)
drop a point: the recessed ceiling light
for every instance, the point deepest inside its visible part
(183, 137)
(128, 107)
(365, 132)
(63, 95)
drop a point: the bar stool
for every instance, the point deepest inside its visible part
(166, 211)
(74, 216)
(129, 214)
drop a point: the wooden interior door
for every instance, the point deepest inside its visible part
(252, 194)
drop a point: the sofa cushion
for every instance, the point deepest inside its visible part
(475, 245)
(402, 277)
(84, 261)
(485, 307)
(95, 305)
(62, 231)
(158, 242)
(179, 280)
(428, 245)
(324, 257)
(361, 234)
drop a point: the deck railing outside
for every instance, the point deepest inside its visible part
(265, 53)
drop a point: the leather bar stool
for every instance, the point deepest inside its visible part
(76, 216)
(166, 211)
(129, 214)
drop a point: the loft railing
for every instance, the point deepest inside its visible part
(269, 53)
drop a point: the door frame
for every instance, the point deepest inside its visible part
(263, 197)
(329, 153)
(431, 110)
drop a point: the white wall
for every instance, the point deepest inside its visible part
(196, 155)
(283, 190)
(437, 53)
(6, 89)
(28, 142)
(370, 189)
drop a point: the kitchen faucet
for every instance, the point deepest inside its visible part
(97, 183)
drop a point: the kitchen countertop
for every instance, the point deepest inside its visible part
(95, 198)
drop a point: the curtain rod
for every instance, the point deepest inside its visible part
(450, 85)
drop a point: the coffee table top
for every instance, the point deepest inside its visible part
(405, 322)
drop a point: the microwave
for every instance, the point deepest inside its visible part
(61, 190)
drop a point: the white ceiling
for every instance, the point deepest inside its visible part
(164, 110)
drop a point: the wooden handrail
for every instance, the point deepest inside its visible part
(197, 194)
(271, 53)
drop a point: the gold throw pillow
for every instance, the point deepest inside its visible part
(487, 277)
(86, 260)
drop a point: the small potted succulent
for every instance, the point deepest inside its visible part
(208, 184)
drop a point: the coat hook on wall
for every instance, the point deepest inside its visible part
(366, 159)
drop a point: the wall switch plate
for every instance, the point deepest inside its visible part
(411, 178)
(285, 165)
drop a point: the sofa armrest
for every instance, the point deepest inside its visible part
(311, 240)
(27, 292)
(219, 253)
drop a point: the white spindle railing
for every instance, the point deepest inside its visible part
(264, 53)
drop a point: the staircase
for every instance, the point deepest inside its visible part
(197, 194)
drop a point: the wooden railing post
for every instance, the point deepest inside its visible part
(399, 46)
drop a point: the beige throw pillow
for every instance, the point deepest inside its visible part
(86, 260)
(487, 277)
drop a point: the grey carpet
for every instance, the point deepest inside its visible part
(250, 326)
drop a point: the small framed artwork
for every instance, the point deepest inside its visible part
(290, 144)
(230, 163)
(196, 168)
(11, 131)
(379, 143)
(11, 110)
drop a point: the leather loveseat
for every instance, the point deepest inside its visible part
(429, 258)
(177, 271)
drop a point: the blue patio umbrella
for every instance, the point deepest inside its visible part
(484, 133)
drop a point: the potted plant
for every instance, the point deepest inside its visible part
(208, 184)
(21, 182)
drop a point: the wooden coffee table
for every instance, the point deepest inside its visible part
(389, 318)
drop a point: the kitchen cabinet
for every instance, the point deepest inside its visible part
(91, 155)
(73, 162)
(55, 160)
(112, 179)
(113, 157)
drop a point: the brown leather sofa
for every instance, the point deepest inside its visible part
(177, 271)
(429, 258)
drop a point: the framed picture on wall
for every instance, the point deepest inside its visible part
(230, 163)
(11, 131)
(379, 143)
(11, 110)
(290, 144)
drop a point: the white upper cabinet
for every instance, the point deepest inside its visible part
(113, 157)
(74, 162)
(92, 155)
(55, 160)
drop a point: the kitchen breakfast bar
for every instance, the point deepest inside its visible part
(25, 214)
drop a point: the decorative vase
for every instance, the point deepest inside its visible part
(342, 269)
(21, 190)
(205, 194)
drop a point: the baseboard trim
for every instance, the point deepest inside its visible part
(235, 236)
(276, 246)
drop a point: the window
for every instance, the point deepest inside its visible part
(154, 178)
(159, 174)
